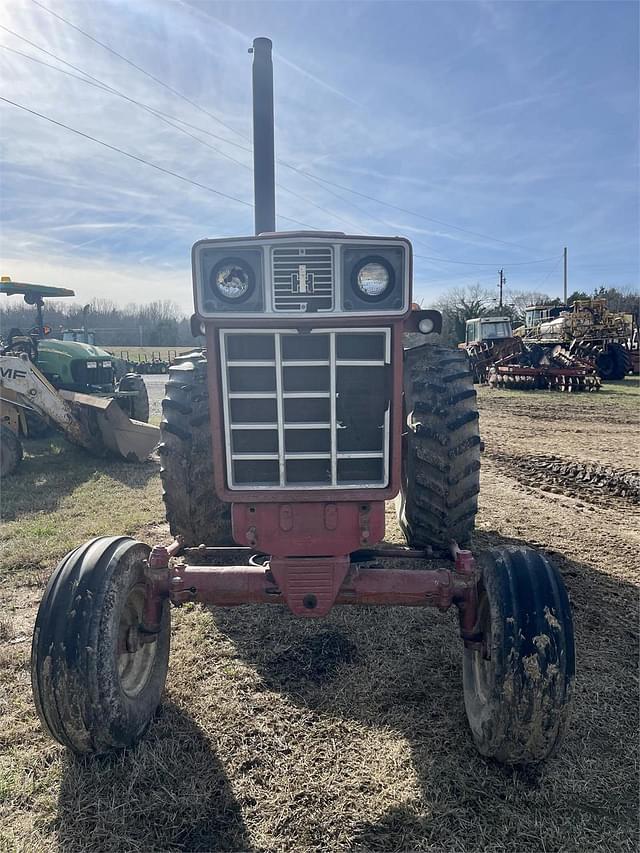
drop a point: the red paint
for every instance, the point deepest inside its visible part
(328, 529)
(290, 581)
(310, 585)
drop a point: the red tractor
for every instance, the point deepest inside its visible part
(280, 445)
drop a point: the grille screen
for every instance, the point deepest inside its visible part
(97, 375)
(306, 410)
(303, 278)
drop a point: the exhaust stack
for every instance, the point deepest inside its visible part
(264, 188)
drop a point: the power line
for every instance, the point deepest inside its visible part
(288, 165)
(146, 162)
(141, 70)
(105, 87)
(550, 273)
(484, 264)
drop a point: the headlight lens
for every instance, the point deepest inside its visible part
(373, 279)
(426, 325)
(232, 279)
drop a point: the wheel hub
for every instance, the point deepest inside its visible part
(135, 657)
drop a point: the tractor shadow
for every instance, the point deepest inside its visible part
(400, 669)
(170, 792)
(52, 469)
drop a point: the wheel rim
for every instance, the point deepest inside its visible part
(481, 664)
(135, 659)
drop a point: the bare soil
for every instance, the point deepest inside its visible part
(349, 733)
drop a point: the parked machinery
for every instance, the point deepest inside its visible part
(74, 363)
(504, 359)
(286, 438)
(68, 385)
(588, 331)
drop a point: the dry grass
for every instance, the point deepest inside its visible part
(62, 495)
(346, 733)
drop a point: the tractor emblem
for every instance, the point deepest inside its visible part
(302, 281)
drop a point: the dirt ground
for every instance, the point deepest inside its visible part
(349, 733)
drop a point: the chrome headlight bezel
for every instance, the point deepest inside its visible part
(360, 266)
(246, 269)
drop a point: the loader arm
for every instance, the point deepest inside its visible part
(97, 424)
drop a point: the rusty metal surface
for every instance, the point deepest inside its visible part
(309, 585)
(323, 529)
(294, 581)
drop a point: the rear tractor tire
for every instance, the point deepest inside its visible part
(612, 363)
(441, 456)
(96, 686)
(11, 451)
(518, 686)
(193, 510)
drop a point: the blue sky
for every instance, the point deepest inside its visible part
(504, 131)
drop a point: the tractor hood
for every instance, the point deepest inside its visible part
(71, 350)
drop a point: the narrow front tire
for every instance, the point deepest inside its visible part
(518, 685)
(97, 678)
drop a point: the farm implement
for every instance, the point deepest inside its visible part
(531, 369)
(280, 445)
(504, 360)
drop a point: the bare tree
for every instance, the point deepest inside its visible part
(461, 304)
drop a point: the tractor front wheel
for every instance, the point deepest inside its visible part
(97, 676)
(518, 685)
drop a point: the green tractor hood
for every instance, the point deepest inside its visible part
(71, 350)
(55, 359)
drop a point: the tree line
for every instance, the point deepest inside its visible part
(162, 323)
(154, 324)
(465, 303)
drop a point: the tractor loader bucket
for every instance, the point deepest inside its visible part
(114, 432)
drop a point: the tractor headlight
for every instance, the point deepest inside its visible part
(92, 364)
(232, 279)
(106, 364)
(373, 278)
(426, 325)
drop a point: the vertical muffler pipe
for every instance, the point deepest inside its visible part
(264, 182)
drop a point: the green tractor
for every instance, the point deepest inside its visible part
(70, 364)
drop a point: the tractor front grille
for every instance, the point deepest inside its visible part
(303, 278)
(306, 410)
(85, 375)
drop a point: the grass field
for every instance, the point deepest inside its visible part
(346, 733)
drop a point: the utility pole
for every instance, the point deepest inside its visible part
(565, 276)
(501, 285)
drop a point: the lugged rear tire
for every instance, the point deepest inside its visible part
(193, 510)
(441, 464)
(518, 686)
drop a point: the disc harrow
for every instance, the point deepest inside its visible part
(552, 371)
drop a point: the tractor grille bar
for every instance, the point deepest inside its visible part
(303, 278)
(306, 411)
